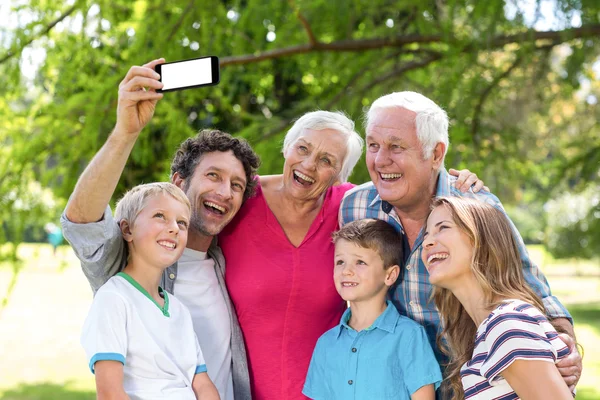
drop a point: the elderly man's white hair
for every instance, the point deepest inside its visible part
(431, 120)
(338, 121)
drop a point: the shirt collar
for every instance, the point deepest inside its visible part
(385, 206)
(443, 190)
(443, 184)
(386, 321)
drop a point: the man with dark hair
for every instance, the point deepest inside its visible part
(216, 171)
(188, 155)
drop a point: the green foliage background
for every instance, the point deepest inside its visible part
(522, 99)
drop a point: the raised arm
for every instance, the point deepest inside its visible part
(97, 183)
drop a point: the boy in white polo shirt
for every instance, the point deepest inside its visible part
(139, 340)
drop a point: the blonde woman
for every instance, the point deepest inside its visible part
(500, 343)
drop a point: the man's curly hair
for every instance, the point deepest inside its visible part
(190, 152)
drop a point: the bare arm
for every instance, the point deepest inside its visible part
(109, 381)
(98, 181)
(424, 393)
(203, 387)
(536, 380)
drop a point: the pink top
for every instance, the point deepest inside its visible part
(284, 296)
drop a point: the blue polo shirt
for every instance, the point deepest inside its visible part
(390, 359)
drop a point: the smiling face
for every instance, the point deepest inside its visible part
(359, 273)
(159, 232)
(447, 250)
(313, 163)
(395, 158)
(215, 190)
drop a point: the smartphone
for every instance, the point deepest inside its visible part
(188, 74)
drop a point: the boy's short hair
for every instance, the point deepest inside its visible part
(190, 152)
(376, 235)
(134, 201)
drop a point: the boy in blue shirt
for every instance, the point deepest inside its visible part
(374, 353)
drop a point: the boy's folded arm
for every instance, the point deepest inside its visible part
(203, 387)
(426, 392)
(109, 380)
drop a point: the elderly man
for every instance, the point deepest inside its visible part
(406, 142)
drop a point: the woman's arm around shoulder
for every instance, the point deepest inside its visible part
(203, 387)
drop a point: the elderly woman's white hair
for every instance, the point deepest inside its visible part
(431, 120)
(338, 121)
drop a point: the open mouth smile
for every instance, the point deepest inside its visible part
(303, 179)
(436, 258)
(167, 244)
(389, 177)
(215, 208)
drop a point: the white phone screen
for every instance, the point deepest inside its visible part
(186, 73)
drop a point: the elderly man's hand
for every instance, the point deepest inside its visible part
(466, 179)
(570, 367)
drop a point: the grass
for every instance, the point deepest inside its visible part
(41, 320)
(45, 390)
(40, 326)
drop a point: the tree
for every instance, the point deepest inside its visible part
(495, 68)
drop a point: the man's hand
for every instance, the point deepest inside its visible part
(97, 183)
(466, 179)
(138, 97)
(570, 367)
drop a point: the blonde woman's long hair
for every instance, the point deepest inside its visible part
(497, 267)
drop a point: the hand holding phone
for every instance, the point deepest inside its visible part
(187, 74)
(138, 97)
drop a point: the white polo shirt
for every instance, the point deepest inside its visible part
(157, 345)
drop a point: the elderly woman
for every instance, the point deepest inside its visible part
(280, 256)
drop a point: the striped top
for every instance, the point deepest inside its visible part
(515, 330)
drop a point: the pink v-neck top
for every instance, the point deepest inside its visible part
(284, 295)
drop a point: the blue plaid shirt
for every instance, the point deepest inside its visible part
(411, 296)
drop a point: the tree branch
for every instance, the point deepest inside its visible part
(274, 131)
(401, 70)
(339, 46)
(180, 21)
(17, 50)
(556, 36)
(399, 41)
(355, 77)
(486, 92)
(395, 72)
(311, 36)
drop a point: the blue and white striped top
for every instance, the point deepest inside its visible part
(515, 330)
